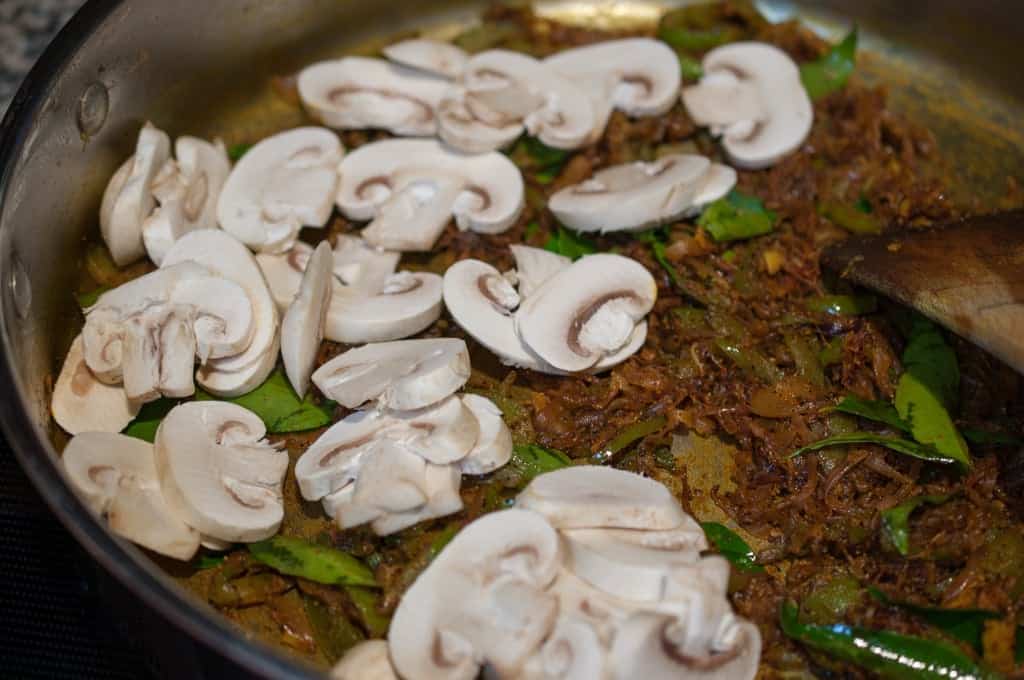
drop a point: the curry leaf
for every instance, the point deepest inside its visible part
(276, 403)
(736, 216)
(883, 652)
(896, 520)
(689, 67)
(843, 305)
(984, 437)
(530, 460)
(655, 238)
(966, 625)
(903, 446)
(296, 557)
(731, 546)
(569, 243)
(637, 430)
(830, 73)
(367, 603)
(148, 419)
(236, 151)
(878, 411)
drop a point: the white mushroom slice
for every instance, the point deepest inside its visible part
(587, 311)
(645, 647)
(283, 183)
(218, 473)
(638, 76)
(632, 196)
(225, 255)
(357, 92)
(719, 181)
(187, 190)
(333, 461)
(81, 403)
(128, 198)
(149, 330)
(441, 483)
(573, 651)
(367, 660)
(407, 303)
(444, 432)
(410, 188)
(493, 448)
(391, 480)
(116, 477)
(303, 326)
(481, 601)
(469, 126)
(580, 600)
(402, 375)
(341, 507)
(591, 496)
(751, 94)
(534, 266)
(503, 88)
(357, 264)
(432, 56)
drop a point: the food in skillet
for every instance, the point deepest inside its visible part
(567, 338)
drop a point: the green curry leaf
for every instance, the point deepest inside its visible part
(276, 403)
(632, 433)
(87, 300)
(878, 411)
(236, 151)
(296, 557)
(530, 460)
(569, 243)
(737, 216)
(903, 446)
(148, 419)
(830, 73)
(731, 546)
(896, 520)
(965, 625)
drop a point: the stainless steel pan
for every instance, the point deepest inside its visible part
(202, 67)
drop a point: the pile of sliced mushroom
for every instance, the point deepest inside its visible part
(596, 573)
(401, 460)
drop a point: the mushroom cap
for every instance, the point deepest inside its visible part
(332, 462)
(410, 188)
(401, 375)
(81, 403)
(392, 479)
(441, 484)
(366, 660)
(592, 496)
(503, 88)
(128, 198)
(187, 191)
(469, 126)
(752, 95)
(534, 266)
(444, 432)
(116, 477)
(281, 184)
(638, 76)
(587, 311)
(718, 181)
(357, 93)
(226, 256)
(431, 56)
(573, 651)
(303, 326)
(218, 473)
(632, 196)
(406, 303)
(493, 447)
(482, 600)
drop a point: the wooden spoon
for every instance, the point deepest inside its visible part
(966, 275)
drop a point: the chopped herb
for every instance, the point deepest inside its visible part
(830, 73)
(634, 432)
(737, 216)
(689, 67)
(87, 300)
(887, 654)
(276, 403)
(148, 419)
(569, 243)
(236, 151)
(843, 305)
(904, 446)
(296, 557)
(731, 546)
(852, 219)
(878, 411)
(965, 625)
(530, 460)
(541, 161)
(896, 520)
(209, 561)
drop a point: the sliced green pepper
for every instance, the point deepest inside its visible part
(737, 216)
(731, 546)
(296, 557)
(634, 432)
(965, 625)
(830, 73)
(530, 460)
(850, 218)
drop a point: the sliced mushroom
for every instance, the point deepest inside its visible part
(534, 266)
(116, 477)
(444, 432)
(592, 496)
(187, 190)
(148, 331)
(410, 188)
(481, 601)
(366, 660)
(402, 375)
(431, 56)
(226, 256)
(579, 600)
(283, 183)
(441, 484)
(502, 90)
(303, 326)
(718, 181)
(218, 473)
(493, 447)
(357, 92)
(587, 312)
(638, 76)
(81, 403)
(632, 196)
(391, 480)
(128, 198)
(573, 651)
(751, 95)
